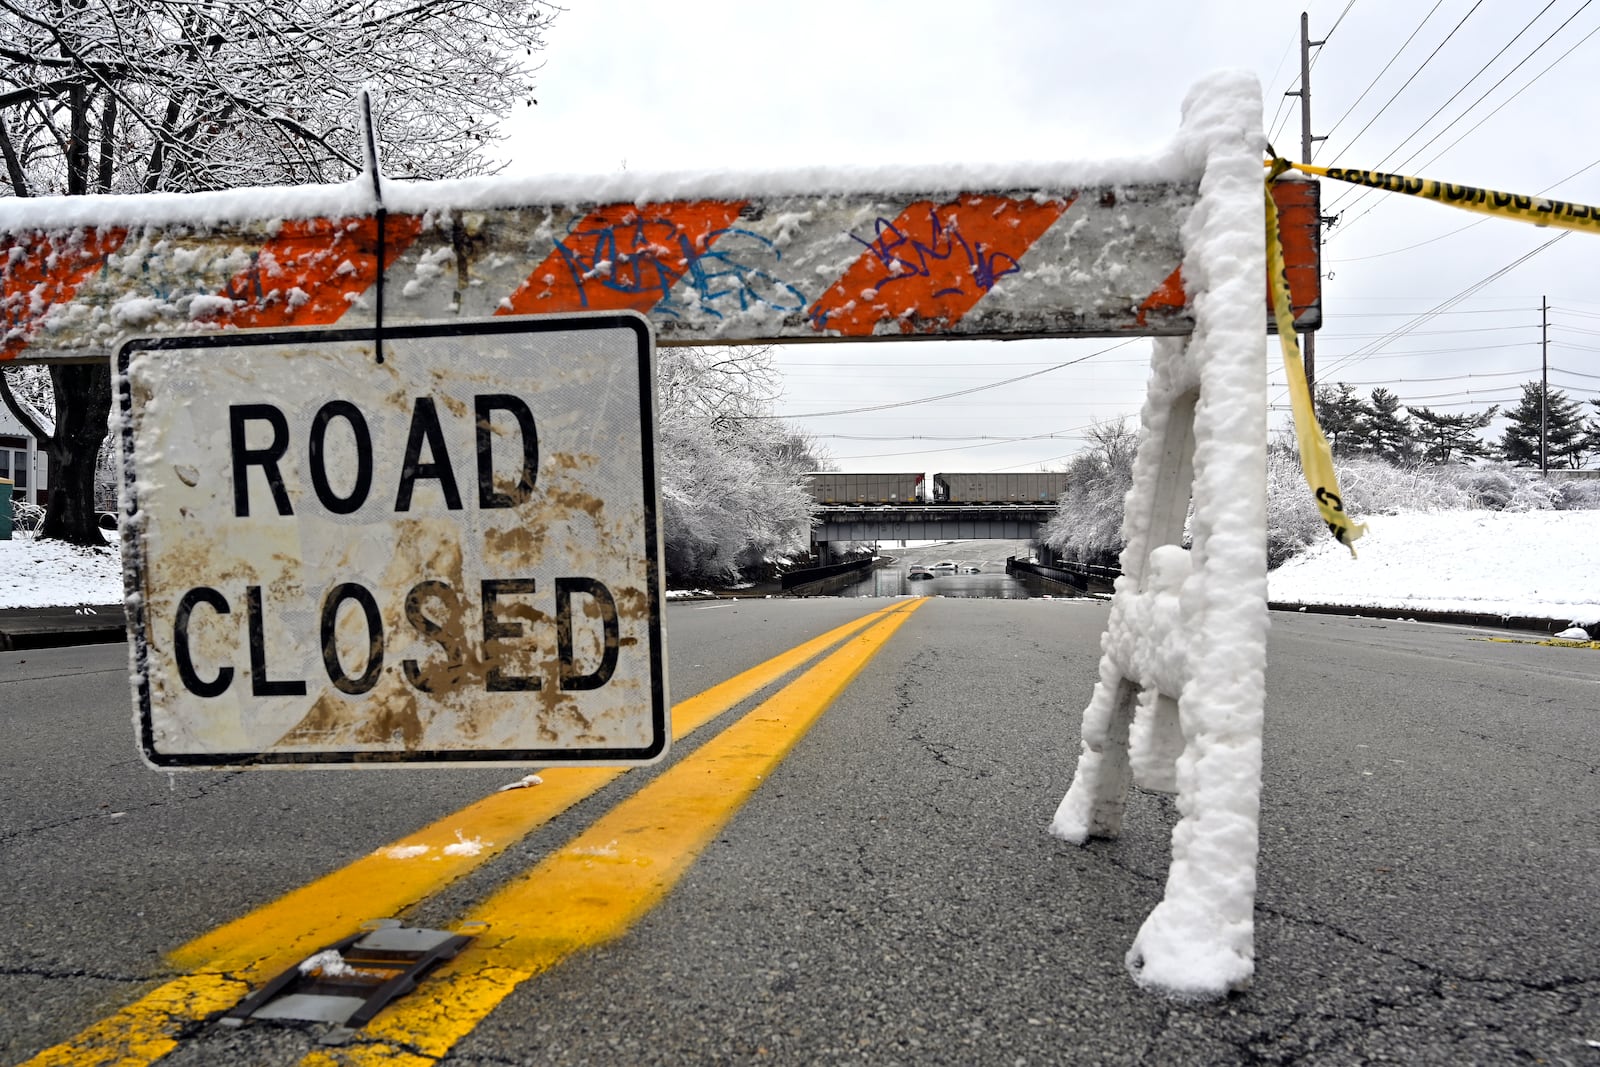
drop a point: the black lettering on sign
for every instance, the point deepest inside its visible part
(425, 427)
(448, 637)
(340, 409)
(330, 639)
(571, 678)
(1330, 498)
(180, 643)
(245, 457)
(484, 407)
(260, 684)
(494, 628)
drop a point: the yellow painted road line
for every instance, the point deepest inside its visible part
(257, 946)
(598, 885)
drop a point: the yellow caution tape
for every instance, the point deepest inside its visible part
(1316, 458)
(1538, 210)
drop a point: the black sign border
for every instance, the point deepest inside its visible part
(134, 559)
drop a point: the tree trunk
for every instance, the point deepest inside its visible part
(83, 404)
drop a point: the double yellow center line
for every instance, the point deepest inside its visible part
(588, 892)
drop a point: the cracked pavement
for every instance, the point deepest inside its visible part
(1430, 863)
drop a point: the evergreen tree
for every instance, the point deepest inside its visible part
(1565, 439)
(1591, 431)
(1450, 438)
(1343, 416)
(1387, 432)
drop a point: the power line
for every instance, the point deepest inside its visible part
(1365, 192)
(1283, 98)
(1329, 35)
(1464, 85)
(1379, 75)
(1394, 335)
(956, 393)
(963, 448)
(1514, 95)
(1450, 350)
(1414, 74)
(1484, 95)
(1445, 378)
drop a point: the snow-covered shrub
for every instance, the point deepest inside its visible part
(1577, 494)
(1492, 488)
(1370, 487)
(26, 517)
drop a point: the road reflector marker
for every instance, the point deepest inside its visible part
(352, 980)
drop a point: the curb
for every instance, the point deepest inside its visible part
(59, 627)
(1533, 623)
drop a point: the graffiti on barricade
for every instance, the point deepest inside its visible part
(905, 256)
(927, 267)
(674, 265)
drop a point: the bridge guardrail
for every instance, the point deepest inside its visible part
(794, 579)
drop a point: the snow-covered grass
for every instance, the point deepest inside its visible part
(1534, 563)
(44, 574)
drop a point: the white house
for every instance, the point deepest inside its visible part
(22, 460)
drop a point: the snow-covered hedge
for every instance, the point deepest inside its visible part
(1087, 525)
(1375, 488)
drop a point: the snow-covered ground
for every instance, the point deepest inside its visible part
(1536, 563)
(45, 574)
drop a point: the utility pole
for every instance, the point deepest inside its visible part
(1308, 341)
(1544, 385)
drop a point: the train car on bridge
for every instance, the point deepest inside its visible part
(866, 489)
(1023, 487)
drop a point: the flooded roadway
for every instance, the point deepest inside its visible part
(972, 569)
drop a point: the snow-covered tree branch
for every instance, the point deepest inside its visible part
(733, 492)
(126, 96)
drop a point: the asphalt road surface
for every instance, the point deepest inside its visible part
(873, 885)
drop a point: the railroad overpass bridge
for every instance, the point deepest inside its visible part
(837, 523)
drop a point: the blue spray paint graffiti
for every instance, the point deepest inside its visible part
(652, 255)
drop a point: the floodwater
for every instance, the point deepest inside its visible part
(987, 585)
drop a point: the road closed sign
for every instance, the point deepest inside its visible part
(440, 549)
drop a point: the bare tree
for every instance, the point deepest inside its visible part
(123, 96)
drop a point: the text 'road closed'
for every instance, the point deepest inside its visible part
(449, 553)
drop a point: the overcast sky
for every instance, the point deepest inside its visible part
(731, 85)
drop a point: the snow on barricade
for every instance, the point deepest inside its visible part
(1185, 648)
(1035, 249)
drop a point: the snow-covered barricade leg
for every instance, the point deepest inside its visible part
(1184, 654)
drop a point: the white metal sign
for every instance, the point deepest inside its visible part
(443, 548)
